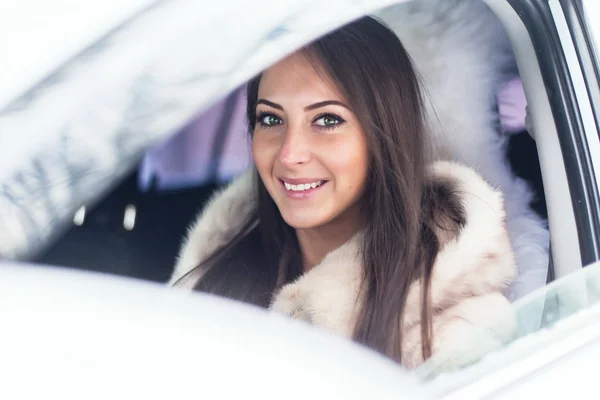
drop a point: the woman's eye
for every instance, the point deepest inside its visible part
(328, 121)
(270, 120)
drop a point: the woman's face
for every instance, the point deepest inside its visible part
(308, 146)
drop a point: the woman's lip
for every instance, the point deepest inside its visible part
(301, 194)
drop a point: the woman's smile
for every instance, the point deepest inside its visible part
(300, 189)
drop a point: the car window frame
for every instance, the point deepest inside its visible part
(540, 21)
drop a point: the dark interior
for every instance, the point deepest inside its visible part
(147, 251)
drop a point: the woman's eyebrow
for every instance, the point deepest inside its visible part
(307, 108)
(269, 103)
(325, 103)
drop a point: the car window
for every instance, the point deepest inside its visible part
(569, 327)
(542, 319)
(556, 302)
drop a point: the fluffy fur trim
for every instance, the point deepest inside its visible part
(470, 272)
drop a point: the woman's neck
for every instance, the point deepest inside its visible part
(316, 243)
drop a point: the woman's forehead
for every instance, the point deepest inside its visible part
(295, 77)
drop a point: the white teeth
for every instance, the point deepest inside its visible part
(303, 186)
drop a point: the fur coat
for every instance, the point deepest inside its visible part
(470, 273)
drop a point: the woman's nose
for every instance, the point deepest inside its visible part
(295, 149)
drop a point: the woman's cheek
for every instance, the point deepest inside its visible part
(348, 156)
(265, 152)
(260, 151)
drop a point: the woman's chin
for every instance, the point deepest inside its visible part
(302, 221)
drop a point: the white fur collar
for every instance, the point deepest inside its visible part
(477, 263)
(484, 234)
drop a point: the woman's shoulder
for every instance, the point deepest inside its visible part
(479, 258)
(220, 220)
(476, 194)
(479, 255)
(471, 270)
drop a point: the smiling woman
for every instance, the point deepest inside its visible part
(344, 222)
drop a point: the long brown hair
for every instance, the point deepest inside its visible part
(375, 75)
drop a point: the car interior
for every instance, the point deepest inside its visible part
(136, 229)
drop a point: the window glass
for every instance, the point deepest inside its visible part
(567, 297)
